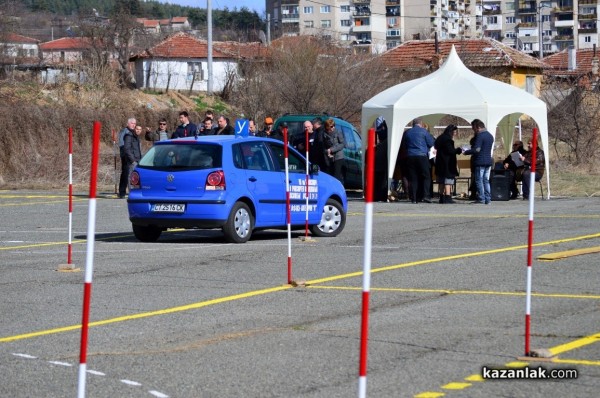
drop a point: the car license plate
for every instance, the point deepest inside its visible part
(168, 208)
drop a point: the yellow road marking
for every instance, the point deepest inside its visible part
(264, 291)
(594, 338)
(449, 291)
(520, 364)
(39, 203)
(516, 364)
(430, 394)
(149, 314)
(456, 386)
(569, 253)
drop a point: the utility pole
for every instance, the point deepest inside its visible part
(540, 31)
(209, 87)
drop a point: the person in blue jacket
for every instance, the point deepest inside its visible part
(481, 157)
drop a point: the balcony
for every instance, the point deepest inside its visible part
(567, 23)
(392, 2)
(587, 30)
(527, 7)
(289, 18)
(392, 11)
(361, 13)
(362, 2)
(392, 33)
(584, 17)
(527, 25)
(588, 2)
(563, 37)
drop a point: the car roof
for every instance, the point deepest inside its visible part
(214, 139)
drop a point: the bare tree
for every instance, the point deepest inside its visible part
(573, 116)
(309, 76)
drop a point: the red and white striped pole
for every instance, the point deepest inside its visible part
(364, 330)
(307, 178)
(70, 246)
(287, 203)
(530, 243)
(89, 261)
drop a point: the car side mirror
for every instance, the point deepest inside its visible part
(314, 169)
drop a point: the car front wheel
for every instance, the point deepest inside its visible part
(146, 233)
(333, 220)
(239, 225)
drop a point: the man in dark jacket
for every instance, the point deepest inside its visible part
(185, 129)
(132, 154)
(481, 156)
(128, 130)
(418, 141)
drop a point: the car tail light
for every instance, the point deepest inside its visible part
(215, 181)
(134, 180)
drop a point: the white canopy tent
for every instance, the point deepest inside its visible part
(453, 90)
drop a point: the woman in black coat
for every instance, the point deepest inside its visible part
(445, 162)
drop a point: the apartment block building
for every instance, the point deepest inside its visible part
(532, 26)
(366, 25)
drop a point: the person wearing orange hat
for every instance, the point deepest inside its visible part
(268, 130)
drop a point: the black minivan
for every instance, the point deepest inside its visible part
(352, 171)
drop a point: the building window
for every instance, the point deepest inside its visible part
(528, 18)
(194, 68)
(392, 21)
(511, 20)
(545, 18)
(325, 9)
(344, 37)
(547, 33)
(587, 39)
(345, 8)
(326, 23)
(530, 84)
(308, 10)
(492, 20)
(346, 22)
(527, 47)
(510, 35)
(309, 24)
(509, 6)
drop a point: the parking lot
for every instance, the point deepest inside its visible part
(194, 316)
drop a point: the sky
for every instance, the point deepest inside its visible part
(253, 5)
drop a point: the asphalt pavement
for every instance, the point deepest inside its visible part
(194, 316)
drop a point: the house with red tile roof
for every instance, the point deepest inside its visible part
(180, 23)
(150, 25)
(180, 63)
(65, 51)
(19, 51)
(574, 65)
(486, 56)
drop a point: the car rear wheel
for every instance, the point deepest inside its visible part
(239, 225)
(146, 233)
(332, 222)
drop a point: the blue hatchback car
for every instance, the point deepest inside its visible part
(233, 183)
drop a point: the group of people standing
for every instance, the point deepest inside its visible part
(326, 146)
(419, 151)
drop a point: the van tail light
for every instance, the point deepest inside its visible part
(215, 181)
(134, 180)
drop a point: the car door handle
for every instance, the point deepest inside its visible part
(252, 179)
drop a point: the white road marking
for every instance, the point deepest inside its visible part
(24, 356)
(96, 373)
(158, 394)
(131, 382)
(60, 363)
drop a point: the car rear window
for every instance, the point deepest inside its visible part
(183, 156)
